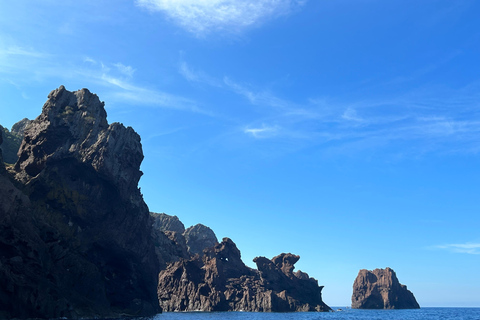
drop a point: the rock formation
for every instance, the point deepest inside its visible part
(164, 222)
(75, 233)
(380, 289)
(173, 242)
(220, 281)
(77, 239)
(11, 141)
(19, 127)
(199, 237)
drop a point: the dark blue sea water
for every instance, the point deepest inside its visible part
(349, 314)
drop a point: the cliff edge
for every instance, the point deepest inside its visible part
(75, 232)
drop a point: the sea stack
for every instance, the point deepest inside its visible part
(380, 289)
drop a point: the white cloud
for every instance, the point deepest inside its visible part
(125, 70)
(20, 51)
(204, 16)
(470, 248)
(351, 115)
(197, 76)
(256, 97)
(263, 132)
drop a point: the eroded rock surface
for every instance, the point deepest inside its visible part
(75, 232)
(380, 289)
(220, 281)
(173, 242)
(199, 237)
(164, 222)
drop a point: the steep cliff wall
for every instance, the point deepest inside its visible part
(80, 233)
(220, 281)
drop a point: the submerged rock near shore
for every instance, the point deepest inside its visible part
(75, 233)
(218, 280)
(380, 289)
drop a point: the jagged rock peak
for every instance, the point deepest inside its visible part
(199, 237)
(164, 222)
(19, 127)
(286, 262)
(220, 281)
(74, 125)
(380, 289)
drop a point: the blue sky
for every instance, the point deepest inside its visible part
(345, 131)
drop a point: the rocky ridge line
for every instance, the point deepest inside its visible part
(219, 281)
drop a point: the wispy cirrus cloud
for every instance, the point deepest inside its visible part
(469, 247)
(430, 121)
(263, 131)
(202, 17)
(20, 65)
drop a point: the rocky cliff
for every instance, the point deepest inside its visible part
(219, 281)
(173, 242)
(12, 140)
(380, 289)
(199, 237)
(75, 233)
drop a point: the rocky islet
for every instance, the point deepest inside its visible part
(380, 289)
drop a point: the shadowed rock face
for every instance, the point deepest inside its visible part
(12, 140)
(199, 237)
(164, 222)
(173, 242)
(380, 289)
(74, 229)
(220, 281)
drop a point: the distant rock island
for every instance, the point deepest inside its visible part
(380, 289)
(77, 239)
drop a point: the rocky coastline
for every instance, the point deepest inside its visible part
(77, 239)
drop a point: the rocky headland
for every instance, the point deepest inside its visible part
(74, 229)
(218, 280)
(78, 241)
(380, 289)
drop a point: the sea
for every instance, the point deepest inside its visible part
(348, 314)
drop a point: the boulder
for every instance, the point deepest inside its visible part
(380, 289)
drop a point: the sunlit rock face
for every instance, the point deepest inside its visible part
(73, 221)
(218, 280)
(380, 289)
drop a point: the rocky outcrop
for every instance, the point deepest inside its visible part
(75, 231)
(220, 281)
(11, 144)
(199, 237)
(19, 127)
(173, 242)
(164, 222)
(380, 289)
